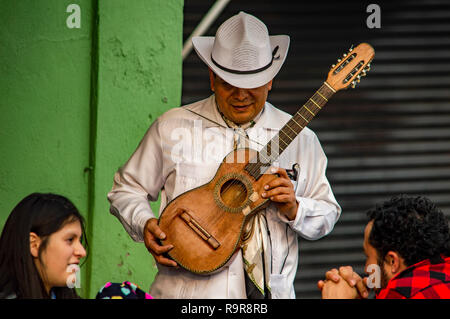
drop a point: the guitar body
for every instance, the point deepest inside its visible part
(205, 224)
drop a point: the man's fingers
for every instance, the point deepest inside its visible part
(361, 287)
(354, 280)
(280, 171)
(282, 198)
(278, 182)
(165, 261)
(332, 275)
(153, 228)
(153, 246)
(320, 284)
(278, 190)
(158, 253)
(152, 233)
(346, 272)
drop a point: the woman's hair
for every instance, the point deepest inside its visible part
(42, 214)
(412, 226)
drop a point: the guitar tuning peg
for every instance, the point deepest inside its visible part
(353, 84)
(333, 65)
(368, 67)
(339, 60)
(363, 72)
(344, 55)
(358, 78)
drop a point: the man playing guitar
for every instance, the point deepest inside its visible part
(171, 158)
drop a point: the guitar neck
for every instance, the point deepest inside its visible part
(273, 149)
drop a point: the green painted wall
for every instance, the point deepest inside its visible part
(139, 78)
(74, 98)
(45, 96)
(44, 104)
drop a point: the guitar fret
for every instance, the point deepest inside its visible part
(309, 110)
(283, 141)
(277, 146)
(315, 103)
(297, 123)
(253, 170)
(303, 117)
(274, 147)
(290, 139)
(322, 96)
(291, 129)
(265, 158)
(329, 87)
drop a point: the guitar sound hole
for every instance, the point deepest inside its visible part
(233, 193)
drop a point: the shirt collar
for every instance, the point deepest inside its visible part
(269, 119)
(210, 111)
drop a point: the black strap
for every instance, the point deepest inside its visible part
(250, 71)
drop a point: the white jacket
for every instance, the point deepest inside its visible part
(181, 151)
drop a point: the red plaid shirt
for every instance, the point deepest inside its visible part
(424, 280)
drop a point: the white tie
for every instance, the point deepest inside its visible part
(255, 240)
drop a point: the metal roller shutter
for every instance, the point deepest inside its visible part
(390, 135)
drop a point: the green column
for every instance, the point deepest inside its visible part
(74, 104)
(139, 77)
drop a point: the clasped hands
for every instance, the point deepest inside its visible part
(343, 284)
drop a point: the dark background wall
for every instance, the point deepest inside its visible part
(390, 135)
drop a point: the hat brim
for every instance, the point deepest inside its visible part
(204, 45)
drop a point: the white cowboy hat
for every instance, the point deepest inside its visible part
(242, 53)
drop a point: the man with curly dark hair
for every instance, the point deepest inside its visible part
(407, 245)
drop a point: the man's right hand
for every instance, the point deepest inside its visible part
(152, 233)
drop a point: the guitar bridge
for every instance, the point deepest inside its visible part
(199, 230)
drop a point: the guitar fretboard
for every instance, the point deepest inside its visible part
(273, 149)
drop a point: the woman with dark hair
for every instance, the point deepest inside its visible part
(40, 247)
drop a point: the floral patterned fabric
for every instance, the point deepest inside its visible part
(125, 290)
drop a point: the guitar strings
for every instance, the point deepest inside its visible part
(307, 115)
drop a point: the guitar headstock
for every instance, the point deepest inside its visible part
(351, 67)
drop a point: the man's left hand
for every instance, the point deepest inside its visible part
(281, 192)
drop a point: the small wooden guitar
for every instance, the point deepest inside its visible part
(205, 224)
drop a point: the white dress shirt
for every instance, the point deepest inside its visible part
(181, 151)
